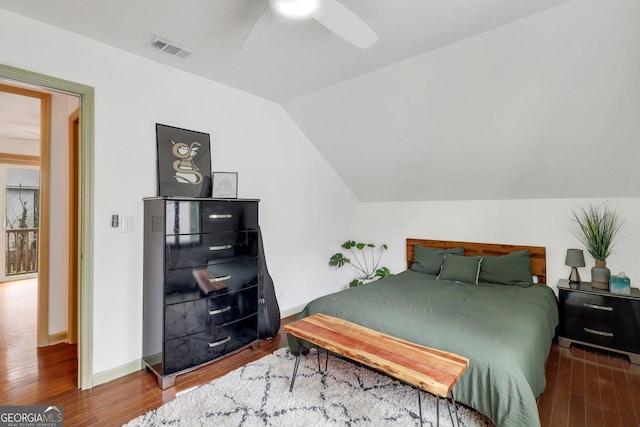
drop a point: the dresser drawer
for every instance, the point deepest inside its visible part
(209, 216)
(221, 216)
(600, 307)
(197, 249)
(232, 275)
(193, 350)
(228, 308)
(184, 319)
(201, 315)
(613, 335)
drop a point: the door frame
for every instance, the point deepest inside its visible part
(45, 188)
(85, 230)
(72, 287)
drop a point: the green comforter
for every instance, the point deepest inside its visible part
(505, 331)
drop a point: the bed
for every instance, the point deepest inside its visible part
(504, 324)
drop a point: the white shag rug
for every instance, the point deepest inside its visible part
(347, 395)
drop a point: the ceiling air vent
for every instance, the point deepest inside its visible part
(167, 47)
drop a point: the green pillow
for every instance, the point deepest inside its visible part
(510, 269)
(429, 260)
(460, 268)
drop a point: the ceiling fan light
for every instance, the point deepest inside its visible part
(295, 9)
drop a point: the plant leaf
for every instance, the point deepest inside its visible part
(354, 283)
(348, 244)
(383, 272)
(338, 260)
(597, 229)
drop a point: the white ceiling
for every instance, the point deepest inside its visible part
(19, 117)
(279, 60)
(458, 100)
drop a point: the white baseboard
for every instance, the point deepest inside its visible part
(291, 311)
(136, 365)
(117, 372)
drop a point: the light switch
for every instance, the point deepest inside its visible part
(127, 224)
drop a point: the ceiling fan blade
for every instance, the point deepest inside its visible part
(260, 18)
(345, 24)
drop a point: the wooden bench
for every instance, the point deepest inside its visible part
(428, 369)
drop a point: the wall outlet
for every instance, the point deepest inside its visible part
(127, 224)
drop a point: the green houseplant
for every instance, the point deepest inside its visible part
(363, 259)
(597, 228)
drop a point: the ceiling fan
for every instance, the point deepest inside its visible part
(330, 13)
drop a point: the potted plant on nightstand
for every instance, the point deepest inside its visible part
(364, 261)
(597, 229)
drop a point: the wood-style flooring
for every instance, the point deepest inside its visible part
(584, 387)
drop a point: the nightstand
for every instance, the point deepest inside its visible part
(599, 318)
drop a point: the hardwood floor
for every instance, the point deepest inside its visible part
(590, 388)
(48, 375)
(584, 387)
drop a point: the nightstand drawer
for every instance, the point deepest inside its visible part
(600, 307)
(606, 334)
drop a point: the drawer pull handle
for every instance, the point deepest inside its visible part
(602, 334)
(219, 248)
(598, 307)
(220, 279)
(220, 216)
(219, 311)
(217, 343)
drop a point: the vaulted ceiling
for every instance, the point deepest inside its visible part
(458, 99)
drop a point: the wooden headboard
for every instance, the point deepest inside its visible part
(537, 254)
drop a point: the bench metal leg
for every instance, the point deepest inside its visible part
(419, 406)
(455, 409)
(326, 361)
(297, 364)
(295, 371)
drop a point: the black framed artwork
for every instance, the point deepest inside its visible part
(184, 162)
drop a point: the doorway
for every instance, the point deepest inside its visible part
(25, 141)
(83, 234)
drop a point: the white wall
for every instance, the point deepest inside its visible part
(306, 211)
(544, 222)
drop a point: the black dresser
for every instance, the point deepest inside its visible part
(600, 318)
(186, 241)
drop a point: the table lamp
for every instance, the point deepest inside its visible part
(575, 259)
